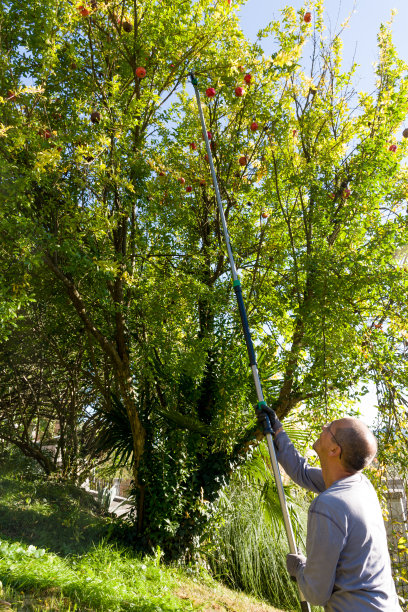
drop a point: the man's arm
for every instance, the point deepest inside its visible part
(292, 462)
(297, 466)
(316, 574)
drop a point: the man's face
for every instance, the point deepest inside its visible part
(326, 440)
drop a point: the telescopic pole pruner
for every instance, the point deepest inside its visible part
(250, 347)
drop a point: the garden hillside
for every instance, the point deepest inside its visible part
(121, 344)
(54, 555)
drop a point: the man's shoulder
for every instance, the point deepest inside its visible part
(345, 496)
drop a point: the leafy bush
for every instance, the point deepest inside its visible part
(247, 547)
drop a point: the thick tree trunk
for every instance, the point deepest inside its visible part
(138, 431)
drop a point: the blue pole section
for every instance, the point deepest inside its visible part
(249, 344)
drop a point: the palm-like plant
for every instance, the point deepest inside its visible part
(111, 434)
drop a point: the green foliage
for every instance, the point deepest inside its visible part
(45, 391)
(246, 544)
(111, 433)
(96, 201)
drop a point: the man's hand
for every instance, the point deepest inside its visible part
(293, 562)
(264, 411)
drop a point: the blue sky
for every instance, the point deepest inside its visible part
(359, 44)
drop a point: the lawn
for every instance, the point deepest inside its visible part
(54, 555)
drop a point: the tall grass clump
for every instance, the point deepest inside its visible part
(247, 547)
(107, 578)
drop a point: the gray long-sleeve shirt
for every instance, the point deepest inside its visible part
(348, 565)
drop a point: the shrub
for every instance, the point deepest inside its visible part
(247, 546)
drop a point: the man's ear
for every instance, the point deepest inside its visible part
(335, 450)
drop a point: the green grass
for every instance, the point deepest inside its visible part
(111, 579)
(105, 578)
(63, 519)
(54, 556)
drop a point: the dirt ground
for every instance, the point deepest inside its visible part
(220, 599)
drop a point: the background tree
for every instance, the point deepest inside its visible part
(78, 115)
(46, 394)
(98, 163)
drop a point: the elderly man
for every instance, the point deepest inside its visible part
(347, 568)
